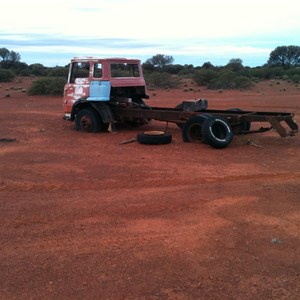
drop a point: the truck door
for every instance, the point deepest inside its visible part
(99, 88)
(78, 85)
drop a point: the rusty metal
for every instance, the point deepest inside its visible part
(177, 115)
(102, 85)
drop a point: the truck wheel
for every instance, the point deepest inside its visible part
(154, 137)
(87, 120)
(217, 132)
(192, 128)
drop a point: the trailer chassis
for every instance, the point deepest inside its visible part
(282, 122)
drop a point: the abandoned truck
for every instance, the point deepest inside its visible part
(101, 92)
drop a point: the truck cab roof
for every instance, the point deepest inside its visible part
(109, 59)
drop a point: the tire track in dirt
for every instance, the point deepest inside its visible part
(113, 184)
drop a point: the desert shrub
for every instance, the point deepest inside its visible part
(214, 84)
(47, 86)
(25, 72)
(6, 75)
(205, 76)
(37, 69)
(58, 72)
(18, 67)
(161, 80)
(274, 72)
(296, 78)
(243, 82)
(230, 80)
(174, 69)
(293, 71)
(267, 72)
(186, 73)
(225, 81)
(285, 77)
(258, 72)
(246, 71)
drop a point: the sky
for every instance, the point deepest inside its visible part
(191, 31)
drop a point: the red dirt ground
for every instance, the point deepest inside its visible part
(83, 217)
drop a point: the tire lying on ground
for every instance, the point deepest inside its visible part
(154, 137)
(192, 128)
(217, 132)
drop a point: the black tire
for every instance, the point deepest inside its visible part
(88, 120)
(192, 128)
(243, 127)
(217, 132)
(154, 137)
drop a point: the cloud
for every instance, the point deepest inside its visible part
(143, 28)
(149, 19)
(187, 51)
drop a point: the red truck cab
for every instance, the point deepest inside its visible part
(103, 79)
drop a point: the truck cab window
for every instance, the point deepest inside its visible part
(79, 70)
(124, 70)
(97, 71)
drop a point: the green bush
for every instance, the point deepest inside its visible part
(161, 80)
(258, 72)
(37, 69)
(48, 86)
(225, 81)
(285, 77)
(6, 75)
(243, 82)
(186, 73)
(58, 72)
(25, 72)
(293, 71)
(215, 84)
(274, 72)
(173, 69)
(230, 80)
(267, 72)
(296, 78)
(205, 76)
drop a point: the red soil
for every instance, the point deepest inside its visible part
(83, 217)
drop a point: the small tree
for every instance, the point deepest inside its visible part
(235, 65)
(285, 57)
(37, 69)
(8, 58)
(4, 53)
(159, 61)
(208, 65)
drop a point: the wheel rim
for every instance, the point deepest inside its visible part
(219, 131)
(86, 123)
(154, 132)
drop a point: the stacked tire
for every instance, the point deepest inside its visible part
(208, 129)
